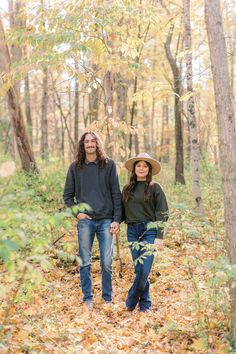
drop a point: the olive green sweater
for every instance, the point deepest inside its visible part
(138, 210)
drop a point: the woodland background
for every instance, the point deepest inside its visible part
(138, 73)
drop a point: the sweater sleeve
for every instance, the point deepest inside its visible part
(69, 189)
(116, 194)
(161, 209)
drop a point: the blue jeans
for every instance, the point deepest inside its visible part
(139, 291)
(86, 233)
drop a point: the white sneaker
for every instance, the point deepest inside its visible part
(89, 304)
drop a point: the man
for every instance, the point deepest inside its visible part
(92, 180)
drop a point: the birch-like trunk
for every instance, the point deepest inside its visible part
(194, 147)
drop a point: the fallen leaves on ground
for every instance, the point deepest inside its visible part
(57, 321)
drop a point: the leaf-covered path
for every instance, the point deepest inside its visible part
(187, 316)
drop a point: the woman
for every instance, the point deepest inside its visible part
(144, 202)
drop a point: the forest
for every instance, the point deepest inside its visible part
(154, 76)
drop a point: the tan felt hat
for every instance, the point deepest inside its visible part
(156, 166)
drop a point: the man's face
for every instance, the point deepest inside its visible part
(90, 145)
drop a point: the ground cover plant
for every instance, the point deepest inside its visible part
(42, 309)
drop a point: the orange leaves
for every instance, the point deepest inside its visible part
(184, 317)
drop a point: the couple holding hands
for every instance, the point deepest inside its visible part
(92, 180)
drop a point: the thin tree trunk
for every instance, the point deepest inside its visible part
(194, 147)
(133, 114)
(15, 24)
(122, 94)
(108, 93)
(226, 133)
(76, 117)
(28, 108)
(165, 140)
(152, 147)
(44, 119)
(64, 119)
(121, 86)
(177, 87)
(146, 124)
(62, 145)
(23, 145)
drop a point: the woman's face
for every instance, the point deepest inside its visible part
(141, 170)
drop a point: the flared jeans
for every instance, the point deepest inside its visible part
(140, 238)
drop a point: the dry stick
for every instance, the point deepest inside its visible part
(54, 242)
(118, 253)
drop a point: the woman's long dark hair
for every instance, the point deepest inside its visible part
(81, 155)
(130, 187)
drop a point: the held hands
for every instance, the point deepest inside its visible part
(159, 244)
(115, 228)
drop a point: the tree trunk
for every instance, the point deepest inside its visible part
(133, 114)
(64, 118)
(93, 105)
(194, 147)
(165, 139)
(226, 133)
(76, 117)
(122, 94)
(177, 87)
(15, 24)
(108, 95)
(121, 88)
(23, 145)
(28, 108)
(44, 119)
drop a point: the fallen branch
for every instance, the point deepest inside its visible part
(58, 239)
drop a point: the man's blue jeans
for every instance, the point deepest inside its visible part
(139, 291)
(86, 232)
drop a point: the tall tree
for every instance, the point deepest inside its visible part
(76, 111)
(15, 8)
(23, 145)
(44, 106)
(44, 118)
(28, 107)
(177, 88)
(194, 147)
(165, 131)
(226, 133)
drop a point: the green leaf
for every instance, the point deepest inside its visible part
(6, 247)
(3, 224)
(75, 209)
(152, 225)
(82, 207)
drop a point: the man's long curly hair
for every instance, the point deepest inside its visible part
(130, 187)
(81, 155)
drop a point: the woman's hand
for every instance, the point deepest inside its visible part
(159, 244)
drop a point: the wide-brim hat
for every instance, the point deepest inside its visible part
(156, 166)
